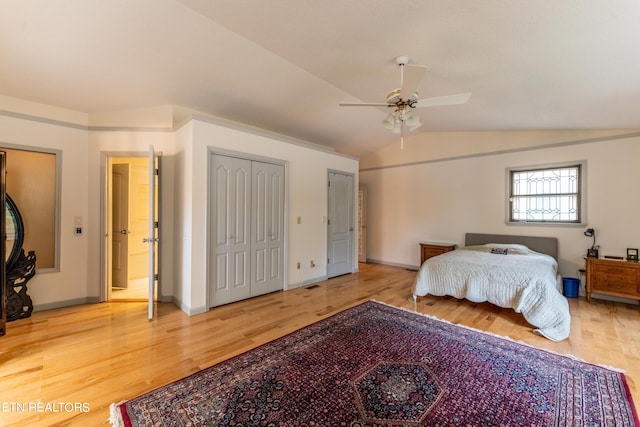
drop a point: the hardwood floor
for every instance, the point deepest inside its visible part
(66, 366)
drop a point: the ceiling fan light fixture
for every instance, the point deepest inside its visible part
(413, 122)
(389, 122)
(415, 126)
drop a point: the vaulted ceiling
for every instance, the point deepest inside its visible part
(285, 65)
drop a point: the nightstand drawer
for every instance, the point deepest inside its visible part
(430, 252)
(431, 249)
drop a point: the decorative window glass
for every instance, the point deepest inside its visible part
(546, 195)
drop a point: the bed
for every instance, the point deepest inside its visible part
(518, 272)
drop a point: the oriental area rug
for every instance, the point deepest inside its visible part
(377, 365)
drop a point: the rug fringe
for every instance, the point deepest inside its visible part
(115, 417)
(429, 316)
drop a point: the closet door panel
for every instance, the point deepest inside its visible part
(267, 228)
(222, 274)
(276, 240)
(260, 269)
(231, 207)
(221, 292)
(240, 220)
(240, 264)
(275, 268)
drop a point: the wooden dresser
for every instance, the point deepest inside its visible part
(613, 277)
(431, 249)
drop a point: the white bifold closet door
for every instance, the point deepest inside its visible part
(247, 229)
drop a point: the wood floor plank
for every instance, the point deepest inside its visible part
(103, 353)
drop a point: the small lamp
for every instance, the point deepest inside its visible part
(593, 251)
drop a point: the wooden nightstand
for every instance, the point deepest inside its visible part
(431, 249)
(613, 277)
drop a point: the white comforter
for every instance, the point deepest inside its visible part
(524, 280)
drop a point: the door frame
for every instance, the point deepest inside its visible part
(105, 215)
(210, 213)
(353, 253)
(362, 223)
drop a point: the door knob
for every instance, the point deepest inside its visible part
(124, 231)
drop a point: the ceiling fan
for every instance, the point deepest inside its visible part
(405, 99)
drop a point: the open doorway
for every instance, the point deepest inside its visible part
(127, 220)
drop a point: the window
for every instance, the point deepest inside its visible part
(546, 195)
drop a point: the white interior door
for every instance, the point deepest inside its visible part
(120, 226)
(267, 228)
(231, 207)
(247, 240)
(340, 224)
(153, 228)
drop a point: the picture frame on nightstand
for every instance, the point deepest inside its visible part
(632, 254)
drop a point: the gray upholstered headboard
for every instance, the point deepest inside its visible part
(545, 245)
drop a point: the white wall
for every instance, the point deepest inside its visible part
(183, 227)
(183, 245)
(307, 170)
(438, 195)
(428, 192)
(429, 146)
(443, 199)
(70, 282)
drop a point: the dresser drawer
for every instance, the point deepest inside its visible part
(611, 277)
(615, 286)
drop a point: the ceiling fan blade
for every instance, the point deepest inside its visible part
(411, 76)
(460, 98)
(368, 104)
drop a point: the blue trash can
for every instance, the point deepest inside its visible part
(570, 287)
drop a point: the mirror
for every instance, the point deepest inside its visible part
(14, 232)
(32, 180)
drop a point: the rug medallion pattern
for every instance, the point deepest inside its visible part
(396, 392)
(376, 365)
